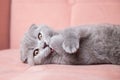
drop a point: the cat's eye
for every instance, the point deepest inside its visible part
(39, 36)
(36, 51)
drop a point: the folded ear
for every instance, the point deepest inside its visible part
(33, 27)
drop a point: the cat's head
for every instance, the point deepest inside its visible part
(34, 40)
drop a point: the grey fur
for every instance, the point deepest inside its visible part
(85, 44)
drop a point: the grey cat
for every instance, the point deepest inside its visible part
(82, 45)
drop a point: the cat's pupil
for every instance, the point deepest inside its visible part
(35, 52)
(39, 36)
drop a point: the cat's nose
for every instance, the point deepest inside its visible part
(45, 45)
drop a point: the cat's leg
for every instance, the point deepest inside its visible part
(56, 44)
(72, 38)
(71, 41)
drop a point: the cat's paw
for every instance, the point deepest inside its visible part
(56, 44)
(71, 46)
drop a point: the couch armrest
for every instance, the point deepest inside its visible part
(4, 23)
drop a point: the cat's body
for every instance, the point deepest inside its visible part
(90, 44)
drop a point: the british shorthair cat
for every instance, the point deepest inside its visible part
(81, 45)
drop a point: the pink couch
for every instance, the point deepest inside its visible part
(57, 14)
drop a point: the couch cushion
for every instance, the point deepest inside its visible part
(60, 14)
(11, 68)
(54, 13)
(64, 72)
(10, 64)
(95, 11)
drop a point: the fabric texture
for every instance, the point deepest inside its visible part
(11, 68)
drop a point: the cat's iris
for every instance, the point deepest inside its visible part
(36, 51)
(39, 36)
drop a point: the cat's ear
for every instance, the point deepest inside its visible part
(33, 27)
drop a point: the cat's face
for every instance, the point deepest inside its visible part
(35, 40)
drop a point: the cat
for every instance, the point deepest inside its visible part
(82, 45)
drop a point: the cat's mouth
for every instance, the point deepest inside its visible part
(52, 50)
(45, 45)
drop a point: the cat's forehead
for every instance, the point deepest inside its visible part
(42, 28)
(29, 39)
